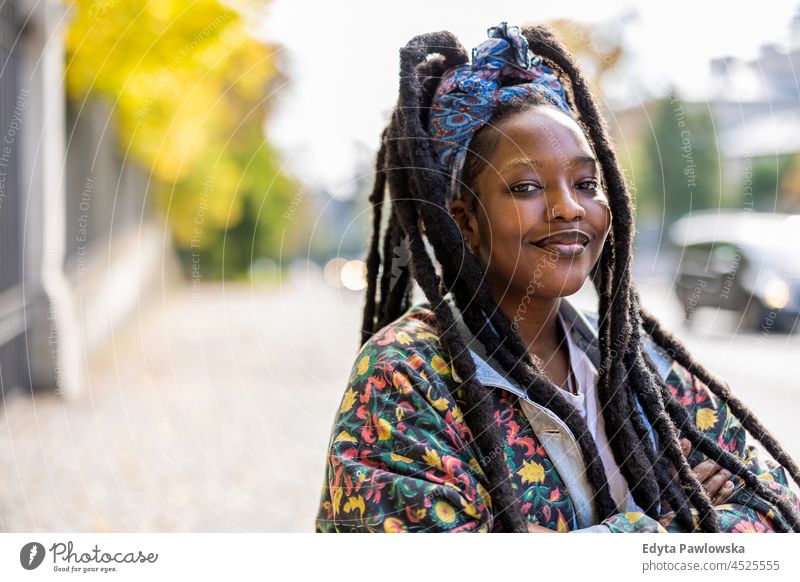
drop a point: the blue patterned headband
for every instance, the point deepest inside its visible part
(502, 68)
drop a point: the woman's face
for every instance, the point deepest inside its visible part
(542, 179)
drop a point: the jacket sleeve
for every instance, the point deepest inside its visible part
(744, 510)
(398, 458)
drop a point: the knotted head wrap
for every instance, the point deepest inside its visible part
(503, 67)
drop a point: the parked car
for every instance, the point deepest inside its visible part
(748, 262)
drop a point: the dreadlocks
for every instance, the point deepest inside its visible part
(626, 375)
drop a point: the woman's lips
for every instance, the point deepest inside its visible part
(564, 249)
(569, 243)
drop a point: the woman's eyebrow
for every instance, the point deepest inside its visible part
(529, 163)
(521, 163)
(581, 161)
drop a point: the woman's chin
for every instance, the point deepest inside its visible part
(561, 278)
(570, 287)
(554, 283)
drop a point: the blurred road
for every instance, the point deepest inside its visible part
(756, 364)
(212, 411)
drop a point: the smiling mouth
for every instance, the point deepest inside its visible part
(563, 249)
(569, 244)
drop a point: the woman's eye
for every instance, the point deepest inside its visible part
(524, 188)
(588, 185)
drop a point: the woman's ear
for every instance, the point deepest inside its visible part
(464, 216)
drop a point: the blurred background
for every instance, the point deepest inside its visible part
(183, 218)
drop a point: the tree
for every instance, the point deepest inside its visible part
(598, 49)
(681, 167)
(789, 193)
(190, 89)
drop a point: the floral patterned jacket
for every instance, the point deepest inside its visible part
(400, 456)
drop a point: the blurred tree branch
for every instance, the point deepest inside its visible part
(190, 90)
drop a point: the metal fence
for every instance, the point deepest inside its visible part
(13, 368)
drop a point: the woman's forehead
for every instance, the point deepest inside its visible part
(540, 135)
(541, 126)
(541, 143)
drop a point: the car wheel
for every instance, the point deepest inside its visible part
(756, 316)
(786, 322)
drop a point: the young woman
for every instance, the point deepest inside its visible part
(496, 405)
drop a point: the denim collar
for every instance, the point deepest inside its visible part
(584, 329)
(555, 436)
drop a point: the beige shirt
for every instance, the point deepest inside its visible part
(587, 403)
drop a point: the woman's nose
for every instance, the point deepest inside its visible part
(561, 204)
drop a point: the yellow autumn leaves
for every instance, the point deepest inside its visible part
(189, 91)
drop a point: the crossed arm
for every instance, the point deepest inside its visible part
(400, 459)
(739, 510)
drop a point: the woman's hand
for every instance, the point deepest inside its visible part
(716, 480)
(538, 529)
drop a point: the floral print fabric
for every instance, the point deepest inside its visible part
(400, 457)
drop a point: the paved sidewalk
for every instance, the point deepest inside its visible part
(209, 413)
(212, 410)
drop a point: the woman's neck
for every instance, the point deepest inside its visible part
(536, 322)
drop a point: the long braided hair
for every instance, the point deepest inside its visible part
(418, 217)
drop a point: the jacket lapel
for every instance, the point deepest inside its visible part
(555, 436)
